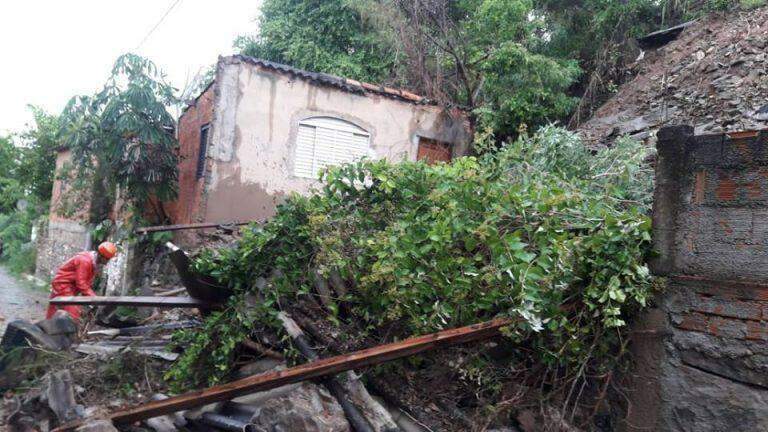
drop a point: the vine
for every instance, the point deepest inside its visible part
(543, 230)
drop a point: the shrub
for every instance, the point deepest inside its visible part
(751, 4)
(15, 234)
(543, 230)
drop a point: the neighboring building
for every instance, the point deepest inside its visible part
(65, 232)
(262, 130)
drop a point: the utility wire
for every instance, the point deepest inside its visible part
(157, 25)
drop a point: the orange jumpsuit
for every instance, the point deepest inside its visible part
(74, 277)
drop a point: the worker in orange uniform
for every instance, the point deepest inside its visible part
(76, 277)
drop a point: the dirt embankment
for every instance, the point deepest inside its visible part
(714, 76)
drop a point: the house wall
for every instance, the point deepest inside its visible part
(200, 113)
(257, 112)
(701, 357)
(64, 234)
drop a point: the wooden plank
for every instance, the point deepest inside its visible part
(149, 301)
(315, 369)
(179, 227)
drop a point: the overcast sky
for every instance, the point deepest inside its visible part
(54, 49)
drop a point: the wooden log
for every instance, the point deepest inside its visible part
(138, 301)
(354, 416)
(315, 369)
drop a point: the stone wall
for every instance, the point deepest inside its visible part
(706, 368)
(57, 241)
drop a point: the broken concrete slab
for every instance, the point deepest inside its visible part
(61, 324)
(59, 394)
(20, 346)
(308, 408)
(662, 37)
(97, 426)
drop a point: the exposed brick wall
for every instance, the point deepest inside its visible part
(711, 231)
(185, 209)
(64, 234)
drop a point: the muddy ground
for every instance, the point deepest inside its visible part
(19, 300)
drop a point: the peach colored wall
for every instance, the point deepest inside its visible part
(256, 117)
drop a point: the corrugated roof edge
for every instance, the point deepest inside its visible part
(346, 84)
(193, 102)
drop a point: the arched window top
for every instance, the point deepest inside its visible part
(334, 124)
(326, 141)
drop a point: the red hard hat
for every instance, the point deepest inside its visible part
(108, 250)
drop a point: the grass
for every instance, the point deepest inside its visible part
(751, 4)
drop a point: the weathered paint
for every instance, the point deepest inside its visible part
(709, 372)
(255, 121)
(198, 114)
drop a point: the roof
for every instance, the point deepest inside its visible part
(345, 84)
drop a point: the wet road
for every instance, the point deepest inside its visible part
(18, 300)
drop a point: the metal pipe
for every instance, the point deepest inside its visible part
(238, 410)
(226, 423)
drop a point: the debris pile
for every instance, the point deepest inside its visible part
(713, 76)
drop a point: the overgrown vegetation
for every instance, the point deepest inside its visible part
(122, 139)
(26, 176)
(515, 63)
(322, 35)
(541, 230)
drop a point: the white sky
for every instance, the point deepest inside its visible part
(52, 50)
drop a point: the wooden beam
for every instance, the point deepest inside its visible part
(149, 301)
(179, 227)
(314, 369)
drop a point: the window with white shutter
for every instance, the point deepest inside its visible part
(324, 141)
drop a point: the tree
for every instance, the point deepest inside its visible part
(328, 36)
(38, 154)
(485, 55)
(600, 34)
(11, 189)
(123, 136)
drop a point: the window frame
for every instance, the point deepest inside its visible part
(318, 124)
(202, 149)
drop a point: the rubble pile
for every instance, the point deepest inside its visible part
(713, 76)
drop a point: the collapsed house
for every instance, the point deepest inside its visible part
(259, 132)
(700, 351)
(263, 130)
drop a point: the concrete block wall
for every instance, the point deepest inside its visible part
(708, 369)
(57, 241)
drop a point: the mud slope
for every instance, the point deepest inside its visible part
(714, 77)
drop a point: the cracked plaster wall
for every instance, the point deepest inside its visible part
(254, 128)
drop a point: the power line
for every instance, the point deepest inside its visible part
(157, 25)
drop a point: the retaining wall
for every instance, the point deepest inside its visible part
(705, 366)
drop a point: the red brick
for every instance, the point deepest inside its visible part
(757, 330)
(694, 322)
(185, 208)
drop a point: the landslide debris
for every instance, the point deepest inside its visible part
(714, 76)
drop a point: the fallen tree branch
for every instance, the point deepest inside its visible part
(170, 293)
(261, 349)
(315, 369)
(355, 417)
